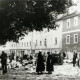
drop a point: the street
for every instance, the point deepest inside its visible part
(39, 39)
(61, 72)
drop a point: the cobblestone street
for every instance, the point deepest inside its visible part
(61, 72)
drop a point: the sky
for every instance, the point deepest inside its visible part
(75, 1)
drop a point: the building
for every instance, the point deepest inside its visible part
(5, 48)
(65, 37)
(33, 42)
(71, 31)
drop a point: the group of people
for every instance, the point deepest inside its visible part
(41, 63)
(47, 62)
(51, 60)
(4, 60)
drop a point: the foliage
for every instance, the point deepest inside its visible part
(18, 17)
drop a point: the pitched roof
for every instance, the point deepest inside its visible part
(76, 13)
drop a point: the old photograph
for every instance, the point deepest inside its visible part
(39, 39)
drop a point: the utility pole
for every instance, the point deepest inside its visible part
(32, 43)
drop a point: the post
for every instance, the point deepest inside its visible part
(32, 42)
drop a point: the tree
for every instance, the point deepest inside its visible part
(18, 17)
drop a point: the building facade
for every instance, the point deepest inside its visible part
(71, 32)
(35, 41)
(66, 37)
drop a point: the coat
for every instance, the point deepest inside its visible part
(3, 58)
(74, 58)
(49, 63)
(40, 63)
(61, 58)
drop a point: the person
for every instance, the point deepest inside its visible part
(10, 58)
(64, 55)
(45, 56)
(40, 63)
(49, 63)
(17, 58)
(4, 62)
(74, 58)
(79, 61)
(31, 56)
(61, 58)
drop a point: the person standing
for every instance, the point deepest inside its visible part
(31, 56)
(74, 58)
(49, 63)
(60, 58)
(79, 61)
(4, 62)
(40, 63)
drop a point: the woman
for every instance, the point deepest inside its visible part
(40, 63)
(49, 67)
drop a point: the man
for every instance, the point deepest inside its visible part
(4, 62)
(74, 58)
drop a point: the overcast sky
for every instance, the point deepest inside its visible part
(75, 1)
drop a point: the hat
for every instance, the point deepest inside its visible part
(40, 50)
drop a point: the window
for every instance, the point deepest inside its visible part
(45, 43)
(75, 21)
(22, 43)
(16, 44)
(27, 44)
(68, 39)
(30, 43)
(36, 42)
(75, 38)
(12, 45)
(40, 43)
(68, 23)
(56, 41)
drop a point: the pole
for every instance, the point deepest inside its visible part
(50, 45)
(32, 42)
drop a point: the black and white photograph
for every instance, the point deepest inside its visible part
(39, 39)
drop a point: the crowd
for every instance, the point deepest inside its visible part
(48, 61)
(43, 61)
